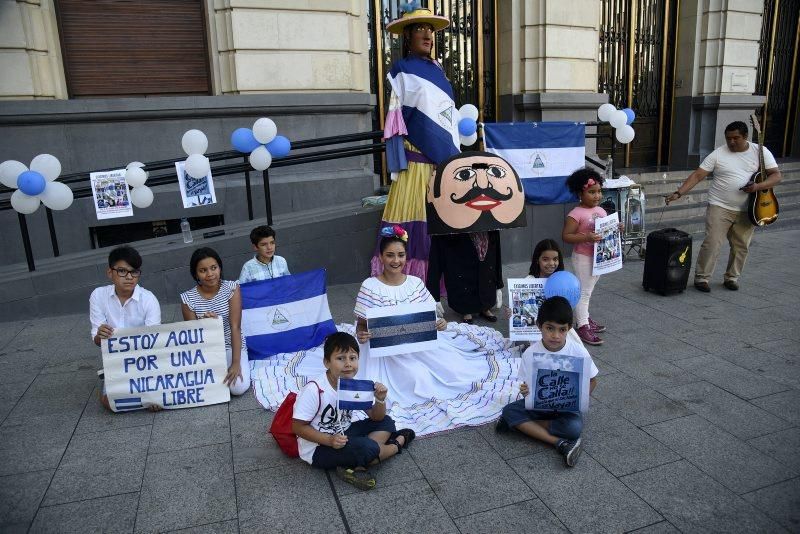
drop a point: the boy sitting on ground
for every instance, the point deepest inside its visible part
(560, 429)
(265, 264)
(124, 303)
(327, 437)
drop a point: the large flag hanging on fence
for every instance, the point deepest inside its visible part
(285, 314)
(356, 394)
(543, 154)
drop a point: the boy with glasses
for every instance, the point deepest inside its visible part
(123, 303)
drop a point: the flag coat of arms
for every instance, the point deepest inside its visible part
(402, 328)
(285, 314)
(542, 153)
(356, 394)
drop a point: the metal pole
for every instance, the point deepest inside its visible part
(52, 226)
(267, 197)
(26, 242)
(249, 193)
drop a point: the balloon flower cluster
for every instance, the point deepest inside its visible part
(468, 124)
(36, 185)
(195, 144)
(620, 120)
(262, 142)
(136, 176)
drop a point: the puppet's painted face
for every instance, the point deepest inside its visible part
(472, 184)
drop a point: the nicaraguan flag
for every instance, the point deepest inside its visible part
(356, 394)
(285, 314)
(132, 403)
(542, 153)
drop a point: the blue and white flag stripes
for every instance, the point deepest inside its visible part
(131, 403)
(543, 154)
(402, 328)
(356, 394)
(285, 314)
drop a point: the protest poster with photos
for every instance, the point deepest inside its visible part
(607, 256)
(110, 194)
(402, 328)
(176, 365)
(525, 295)
(559, 383)
(195, 191)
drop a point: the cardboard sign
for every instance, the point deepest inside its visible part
(525, 295)
(176, 365)
(110, 194)
(402, 329)
(559, 383)
(607, 256)
(195, 191)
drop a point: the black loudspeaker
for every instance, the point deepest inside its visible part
(667, 261)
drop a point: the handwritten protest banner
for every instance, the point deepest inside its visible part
(559, 382)
(195, 191)
(608, 251)
(176, 365)
(402, 328)
(525, 295)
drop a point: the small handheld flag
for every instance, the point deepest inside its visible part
(356, 394)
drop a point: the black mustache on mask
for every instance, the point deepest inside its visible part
(475, 192)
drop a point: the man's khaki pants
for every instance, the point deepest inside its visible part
(722, 223)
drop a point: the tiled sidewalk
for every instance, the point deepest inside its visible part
(694, 427)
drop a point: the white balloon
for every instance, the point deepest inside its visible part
(57, 196)
(135, 176)
(260, 158)
(625, 134)
(194, 142)
(264, 130)
(618, 119)
(469, 140)
(142, 196)
(468, 111)
(23, 203)
(46, 165)
(604, 112)
(134, 164)
(197, 166)
(10, 171)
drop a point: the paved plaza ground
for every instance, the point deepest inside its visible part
(694, 427)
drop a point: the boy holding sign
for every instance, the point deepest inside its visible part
(557, 375)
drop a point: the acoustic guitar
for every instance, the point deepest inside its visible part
(762, 206)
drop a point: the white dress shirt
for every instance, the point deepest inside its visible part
(142, 309)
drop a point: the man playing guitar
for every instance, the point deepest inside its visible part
(733, 164)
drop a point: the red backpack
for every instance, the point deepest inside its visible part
(281, 427)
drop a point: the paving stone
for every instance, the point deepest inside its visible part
(74, 364)
(655, 372)
(225, 527)
(732, 378)
(409, 507)
(781, 502)
(253, 445)
(664, 527)
(784, 405)
(693, 502)
(765, 364)
(190, 427)
(116, 513)
(586, 498)
(244, 402)
(528, 516)
(728, 460)
(267, 504)
(100, 464)
(397, 470)
(782, 446)
(20, 496)
(620, 446)
(725, 410)
(96, 418)
(786, 348)
(187, 488)
(467, 475)
(511, 444)
(62, 393)
(636, 402)
(14, 368)
(34, 443)
(10, 393)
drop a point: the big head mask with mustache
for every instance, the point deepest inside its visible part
(474, 192)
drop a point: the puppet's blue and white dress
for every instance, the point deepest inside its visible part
(466, 381)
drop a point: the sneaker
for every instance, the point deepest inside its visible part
(588, 336)
(570, 450)
(702, 286)
(731, 284)
(501, 427)
(597, 327)
(363, 480)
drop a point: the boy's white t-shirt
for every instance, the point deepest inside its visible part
(321, 411)
(572, 347)
(732, 170)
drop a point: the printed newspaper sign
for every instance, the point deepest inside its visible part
(402, 328)
(176, 365)
(110, 194)
(525, 295)
(195, 191)
(607, 256)
(559, 383)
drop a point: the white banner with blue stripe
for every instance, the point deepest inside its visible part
(542, 153)
(285, 314)
(402, 328)
(356, 394)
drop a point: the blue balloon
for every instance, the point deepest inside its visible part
(243, 140)
(31, 183)
(467, 127)
(631, 115)
(563, 284)
(279, 147)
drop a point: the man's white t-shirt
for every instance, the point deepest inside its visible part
(573, 347)
(321, 410)
(732, 171)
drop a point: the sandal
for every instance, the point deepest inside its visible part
(408, 437)
(468, 319)
(363, 480)
(489, 316)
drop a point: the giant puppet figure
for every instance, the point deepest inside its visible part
(421, 131)
(471, 197)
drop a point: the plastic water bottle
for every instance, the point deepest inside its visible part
(187, 231)
(609, 174)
